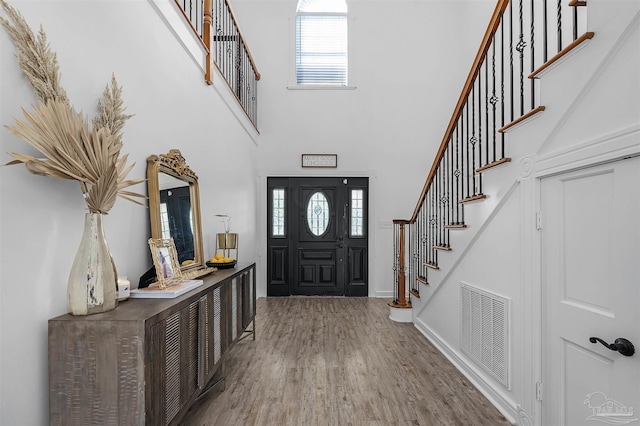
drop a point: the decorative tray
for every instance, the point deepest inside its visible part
(221, 265)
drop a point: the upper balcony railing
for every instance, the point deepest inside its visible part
(215, 23)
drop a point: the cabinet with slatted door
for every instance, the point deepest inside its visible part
(147, 361)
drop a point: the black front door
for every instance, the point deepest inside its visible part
(317, 236)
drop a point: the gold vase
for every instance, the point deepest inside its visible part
(92, 286)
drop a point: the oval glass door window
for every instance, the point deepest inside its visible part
(318, 214)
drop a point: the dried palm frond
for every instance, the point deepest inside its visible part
(73, 151)
(71, 148)
(35, 58)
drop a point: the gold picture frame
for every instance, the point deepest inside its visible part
(165, 260)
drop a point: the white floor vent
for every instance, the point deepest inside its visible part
(483, 330)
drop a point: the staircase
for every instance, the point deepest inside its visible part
(522, 42)
(478, 220)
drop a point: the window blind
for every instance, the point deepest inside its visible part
(321, 49)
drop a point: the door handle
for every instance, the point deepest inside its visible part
(621, 345)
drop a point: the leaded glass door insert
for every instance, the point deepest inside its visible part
(318, 214)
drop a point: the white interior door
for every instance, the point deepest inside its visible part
(591, 280)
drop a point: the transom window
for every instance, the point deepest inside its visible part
(321, 42)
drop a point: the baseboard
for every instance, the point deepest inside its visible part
(383, 294)
(506, 407)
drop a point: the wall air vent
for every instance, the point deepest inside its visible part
(484, 330)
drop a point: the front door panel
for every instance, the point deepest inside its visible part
(320, 259)
(317, 236)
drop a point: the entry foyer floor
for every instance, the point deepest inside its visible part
(339, 361)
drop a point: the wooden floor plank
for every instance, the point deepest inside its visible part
(339, 361)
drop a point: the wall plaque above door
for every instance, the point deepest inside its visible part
(319, 160)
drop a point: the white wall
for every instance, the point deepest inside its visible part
(408, 62)
(41, 219)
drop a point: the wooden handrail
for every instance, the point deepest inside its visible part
(246, 46)
(494, 23)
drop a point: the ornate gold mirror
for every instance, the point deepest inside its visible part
(174, 208)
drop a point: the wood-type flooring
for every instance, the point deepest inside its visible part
(339, 361)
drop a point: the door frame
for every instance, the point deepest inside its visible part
(332, 264)
(610, 148)
(262, 225)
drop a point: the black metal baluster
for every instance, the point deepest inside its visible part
(533, 57)
(447, 194)
(456, 173)
(545, 30)
(520, 48)
(440, 205)
(575, 22)
(502, 123)
(423, 241)
(452, 203)
(434, 230)
(493, 101)
(465, 164)
(442, 214)
(559, 25)
(473, 140)
(486, 115)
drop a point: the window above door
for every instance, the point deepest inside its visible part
(321, 45)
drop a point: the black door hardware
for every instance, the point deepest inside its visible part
(621, 345)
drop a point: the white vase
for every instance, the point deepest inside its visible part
(92, 286)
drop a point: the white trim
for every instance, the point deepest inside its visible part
(507, 407)
(320, 87)
(616, 145)
(400, 314)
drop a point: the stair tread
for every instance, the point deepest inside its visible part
(472, 198)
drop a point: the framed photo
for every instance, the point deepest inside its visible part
(165, 260)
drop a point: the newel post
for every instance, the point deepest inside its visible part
(400, 300)
(206, 35)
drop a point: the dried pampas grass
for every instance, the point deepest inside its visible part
(71, 147)
(35, 58)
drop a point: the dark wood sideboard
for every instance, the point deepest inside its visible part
(148, 360)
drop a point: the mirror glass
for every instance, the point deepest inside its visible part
(174, 207)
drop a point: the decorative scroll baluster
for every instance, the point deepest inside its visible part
(493, 101)
(502, 123)
(520, 48)
(533, 56)
(559, 25)
(458, 193)
(472, 142)
(512, 79)
(486, 116)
